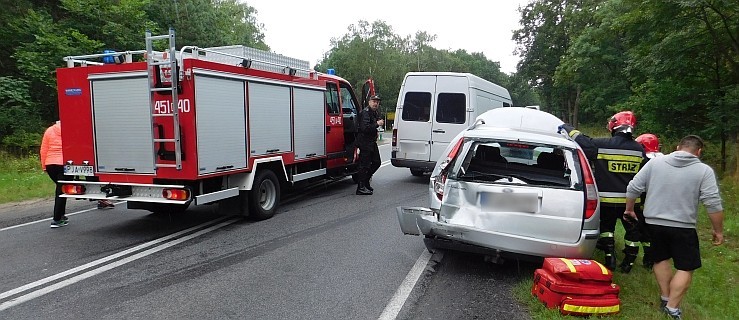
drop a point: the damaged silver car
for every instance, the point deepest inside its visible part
(510, 185)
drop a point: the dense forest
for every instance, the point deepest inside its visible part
(674, 62)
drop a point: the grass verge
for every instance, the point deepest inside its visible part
(21, 178)
(712, 295)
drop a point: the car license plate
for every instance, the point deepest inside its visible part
(71, 170)
(507, 202)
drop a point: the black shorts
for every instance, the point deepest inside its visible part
(678, 244)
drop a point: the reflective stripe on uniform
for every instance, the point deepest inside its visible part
(614, 197)
(606, 234)
(646, 244)
(574, 134)
(631, 243)
(634, 153)
(619, 157)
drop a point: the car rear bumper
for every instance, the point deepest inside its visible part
(417, 221)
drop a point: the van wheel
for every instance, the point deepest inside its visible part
(417, 172)
(264, 195)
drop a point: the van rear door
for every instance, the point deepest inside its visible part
(414, 127)
(450, 112)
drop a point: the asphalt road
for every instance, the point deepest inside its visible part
(327, 254)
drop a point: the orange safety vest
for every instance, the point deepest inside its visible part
(51, 146)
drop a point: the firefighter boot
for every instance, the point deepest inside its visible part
(631, 250)
(610, 260)
(627, 263)
(606, 243)
(368, 186)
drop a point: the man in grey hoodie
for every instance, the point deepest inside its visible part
(675, 184)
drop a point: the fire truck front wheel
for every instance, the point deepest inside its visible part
(264, 195)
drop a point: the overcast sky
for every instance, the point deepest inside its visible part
(303, 29)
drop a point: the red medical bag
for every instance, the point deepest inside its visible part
(577, 269)
(573, 295)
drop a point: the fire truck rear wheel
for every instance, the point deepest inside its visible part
(264, 195)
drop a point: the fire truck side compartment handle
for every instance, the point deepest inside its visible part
(224, 167)
(125, 169)
(273, 150)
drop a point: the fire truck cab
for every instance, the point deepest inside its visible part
(229, 125)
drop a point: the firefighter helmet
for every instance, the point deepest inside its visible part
(624, 121)
(649, 142)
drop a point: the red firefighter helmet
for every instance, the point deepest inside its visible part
(624, 121)
(649, 142)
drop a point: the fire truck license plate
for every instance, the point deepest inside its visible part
(78, 170)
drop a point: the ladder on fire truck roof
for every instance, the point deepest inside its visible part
(153, 67)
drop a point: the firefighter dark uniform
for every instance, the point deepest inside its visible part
(369, 154)
(616, 161)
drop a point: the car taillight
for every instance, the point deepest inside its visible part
(73, 189)
(440, 180)
(176, 194)
(394, 141)
(439, 183)
(591, 195)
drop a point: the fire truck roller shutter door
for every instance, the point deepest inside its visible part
(270, 128)
(221, 124)
(310, 132)
(122, 125)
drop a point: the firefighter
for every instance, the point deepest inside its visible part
(369, 155)
(616, 160)
(651, 146)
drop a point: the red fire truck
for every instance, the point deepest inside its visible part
(227, 125)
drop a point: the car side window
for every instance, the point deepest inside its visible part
(417, 106)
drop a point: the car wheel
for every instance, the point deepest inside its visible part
(264, 195)
(417, 172)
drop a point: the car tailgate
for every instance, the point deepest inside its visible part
(551, 214)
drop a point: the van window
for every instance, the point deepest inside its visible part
(417, 106)
(451, 108)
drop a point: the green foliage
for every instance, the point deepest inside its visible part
(207, 23)
(39, 34)
(38, 59)
(21, 178)
(17, 112)
(374, 50)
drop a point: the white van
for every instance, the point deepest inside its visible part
(433, 107)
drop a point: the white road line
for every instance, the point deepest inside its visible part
(49, 219)
(401, 295)
(105, 259)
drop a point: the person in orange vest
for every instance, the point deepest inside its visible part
(52, 161)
